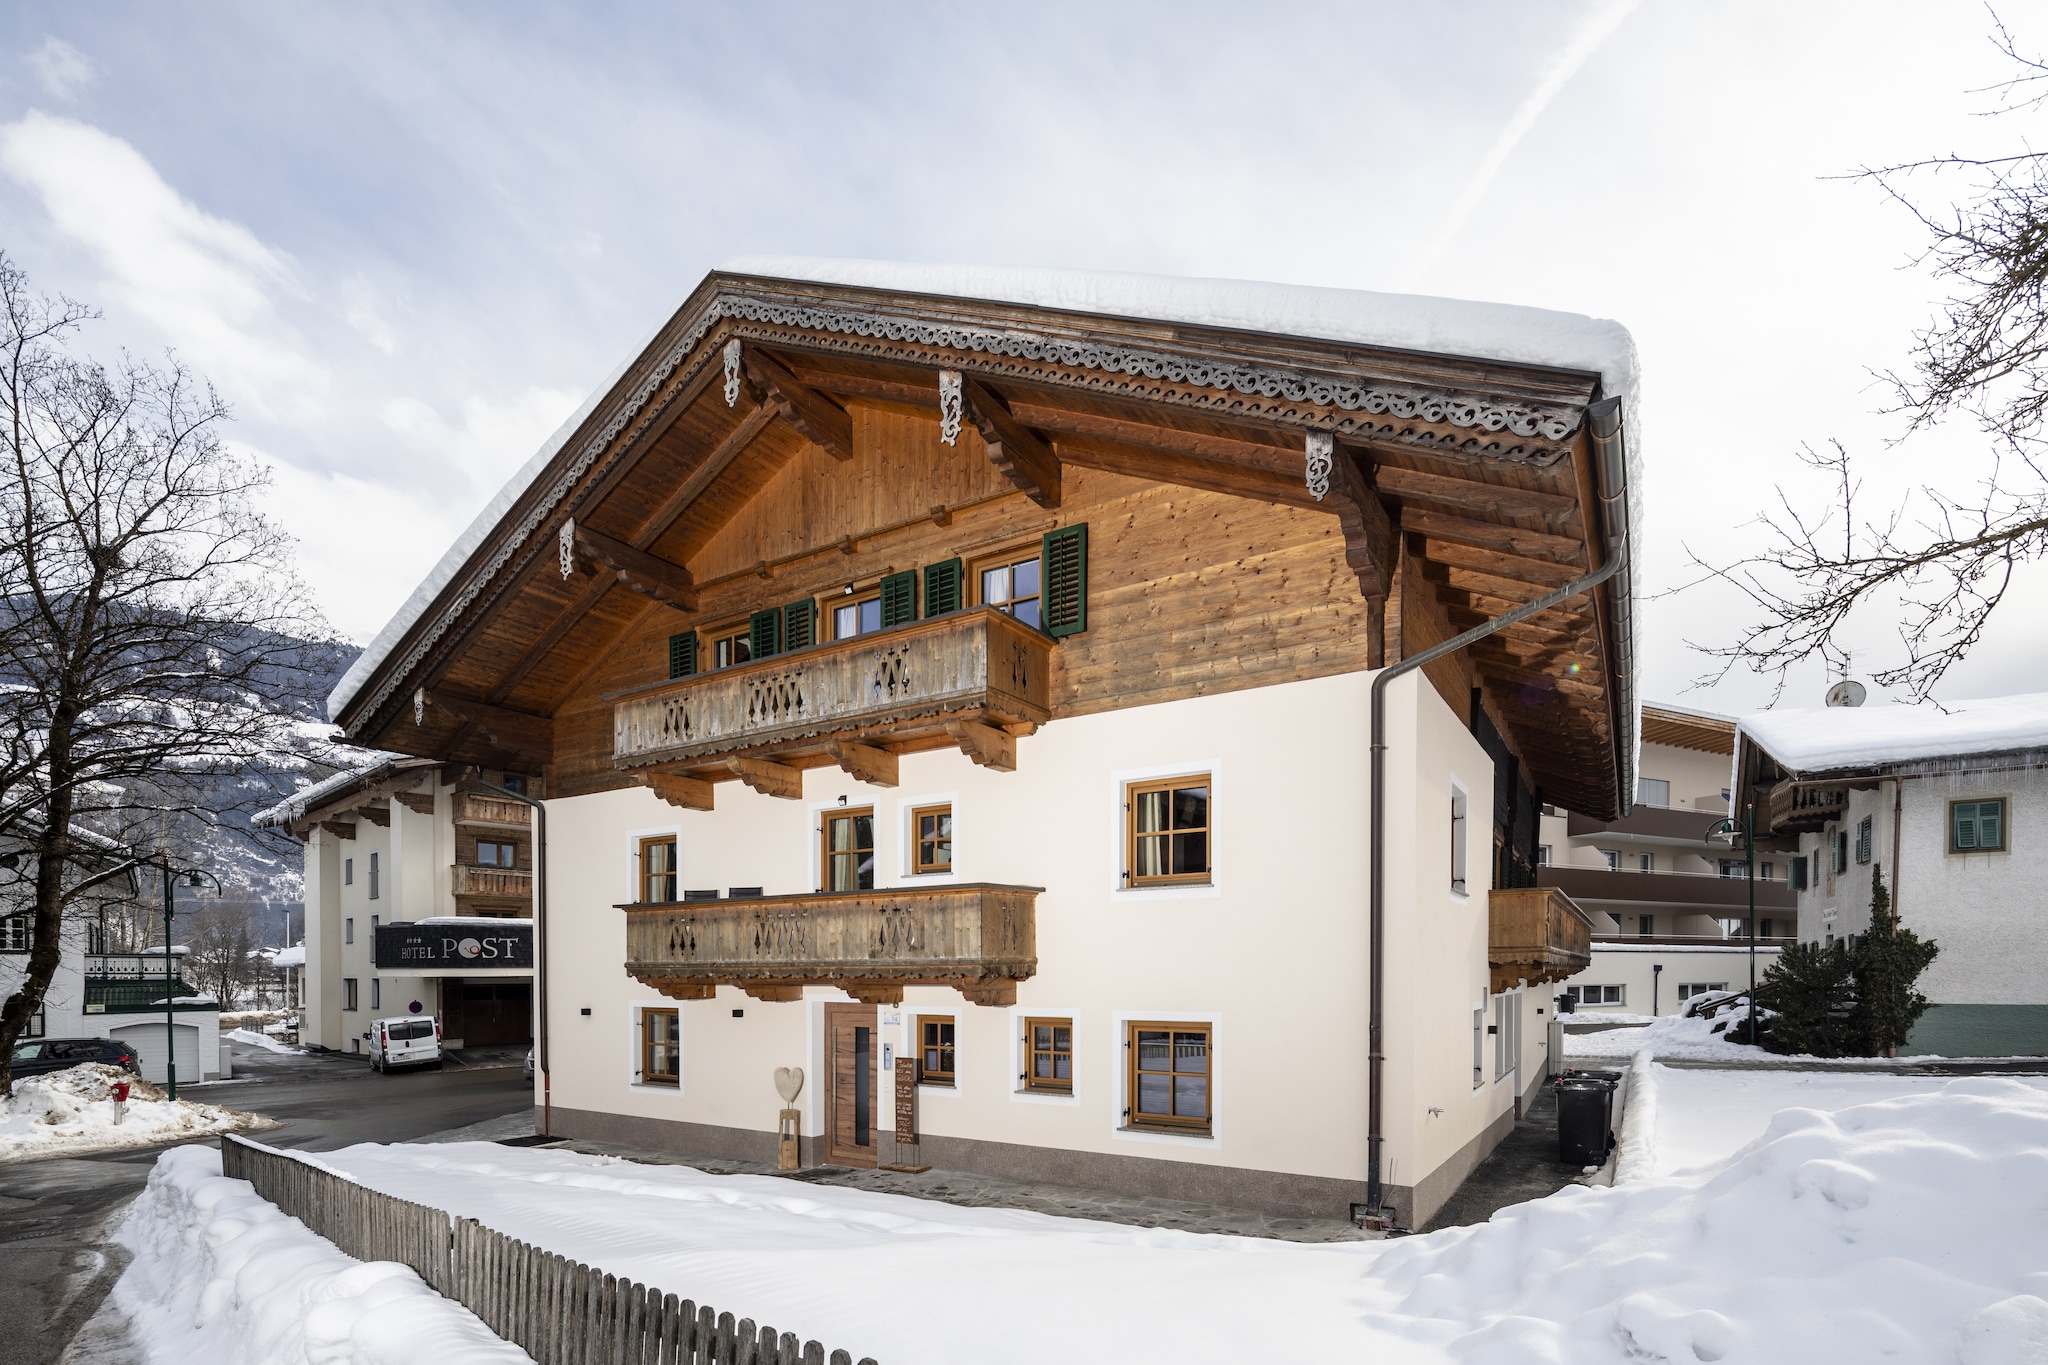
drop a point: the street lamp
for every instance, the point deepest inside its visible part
(1731, 825)
(170, 875)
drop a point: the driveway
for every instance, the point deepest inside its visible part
(54, 1268)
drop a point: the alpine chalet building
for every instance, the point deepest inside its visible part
(959, 685)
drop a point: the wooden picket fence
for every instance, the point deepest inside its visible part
(558, 1311)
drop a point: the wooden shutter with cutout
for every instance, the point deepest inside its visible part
(1064, 556)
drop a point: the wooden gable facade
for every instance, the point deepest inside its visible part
(1258, 509)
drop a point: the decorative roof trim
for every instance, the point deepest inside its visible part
(1241, 378)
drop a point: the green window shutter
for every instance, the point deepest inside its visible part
(800, 624)
(942, 587)
(1964, 814)
(899, 598)
(1065, 582)
(682, 654)
(1798, 870)
(1991, 824)
(764, 632)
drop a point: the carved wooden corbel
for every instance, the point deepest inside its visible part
(690, 793)
(985, 745)
(877, 767)
(769, 779)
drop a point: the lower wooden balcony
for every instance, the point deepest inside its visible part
(492, 883)
(1535, 934)
(980, 939)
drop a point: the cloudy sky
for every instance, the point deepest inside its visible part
(406, 239)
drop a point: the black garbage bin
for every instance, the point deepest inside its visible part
(1585, 1117)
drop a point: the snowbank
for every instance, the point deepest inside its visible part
(1910, 1230)
(1809, 740)
(221, 1277)
(1913, 1229)
(66, 1113)
(254, 1039)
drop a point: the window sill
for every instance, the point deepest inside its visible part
(1168, 1137)
(1169, 1129)
(936, 1085)
(1060, 1097)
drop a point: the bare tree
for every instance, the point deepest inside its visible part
(1944, 561)
(145, 605)
(217, 934)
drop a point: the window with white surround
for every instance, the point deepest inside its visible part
(15, 935)
(1598, 995)
(1613, 858)
(373, 876)
(1543, 855)
(1646, 862)
(348, 993)
(1688, 989)
(348, 871)
(1461, 821)
(348, 930)
(1863, 840)
(376, 992)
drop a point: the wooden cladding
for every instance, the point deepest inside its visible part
(1794, 807)
(491, 812)
(1535, 934)
(977, 667)
(980, 939)
(498, 883)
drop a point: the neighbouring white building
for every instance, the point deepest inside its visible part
(419, 892)
(1951, 803)
(1670, 905)
(960, 686)
(96, 993)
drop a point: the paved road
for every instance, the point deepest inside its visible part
(54, 1270)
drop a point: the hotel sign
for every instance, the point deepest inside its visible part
(490, 945)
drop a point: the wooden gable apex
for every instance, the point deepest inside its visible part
(1460, 488)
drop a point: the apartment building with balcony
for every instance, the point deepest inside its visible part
(1951, 805)
(1670, 906)
(958, 685)
(419, 900)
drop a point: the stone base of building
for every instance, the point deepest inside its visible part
(1980, 1031)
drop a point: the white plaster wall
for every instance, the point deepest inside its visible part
(1697, 777)
(1633, 966)
(1273, 953)
(64, 1001)
(1988, 911)
(320, 1015)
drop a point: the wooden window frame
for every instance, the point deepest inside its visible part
(1132, 792)
(648, 1075)
(971, 586)
(17, 934)
(350, 996)
(826, 852)
(645, 877)
(1051, 1085)
(927, 1075)
(495, 845)
(710, 640)
(2004, 844)
(860, 597)
(918, 866)
(1169, 1123)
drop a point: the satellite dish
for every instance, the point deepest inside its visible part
(1846, 693)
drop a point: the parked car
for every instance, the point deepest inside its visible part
(409, 1040)
(55, 1054)
(529, 1064)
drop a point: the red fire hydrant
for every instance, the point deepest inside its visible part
(120, 1092)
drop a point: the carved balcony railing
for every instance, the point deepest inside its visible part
(1798, 807)
(492, 812)
(496, 883)
(980, 666)
(978, 938)
(1536, 934)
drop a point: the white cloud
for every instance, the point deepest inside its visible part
(210, 285)
(62, 70)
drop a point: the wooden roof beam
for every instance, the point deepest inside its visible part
(1166, 466)
(1542, 572)
(823, 422)
(1025, 460)
(649, 575)
(527, 735)
(1369, 545)
(1554, 510)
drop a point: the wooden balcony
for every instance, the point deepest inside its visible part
(1536, 934)
(978, 938)
(486, 811)
(972, 678)
(1798, 807)
(492, 883)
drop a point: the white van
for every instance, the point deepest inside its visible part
(409, 1040)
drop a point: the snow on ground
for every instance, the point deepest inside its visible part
(1671, 1036)
(1913, 1228)
(254, 1039)
(1707, 1116)
(222, 1277)
(66, 1113)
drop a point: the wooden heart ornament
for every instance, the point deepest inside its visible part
(789, 1082)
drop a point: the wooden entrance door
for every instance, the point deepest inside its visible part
(852, 1100)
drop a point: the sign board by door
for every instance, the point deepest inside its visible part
(906, 1100)
(490, 944)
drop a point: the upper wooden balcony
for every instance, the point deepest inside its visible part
(1798, 807)
(974, 678)
(494, 883)
(486, 811)
(1536, 934)
(978, 938)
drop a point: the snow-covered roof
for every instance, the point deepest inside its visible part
(295, 806)
(1823, 739)
(1409, 322)
(294, 956)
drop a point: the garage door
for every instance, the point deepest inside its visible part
(148, 1039)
